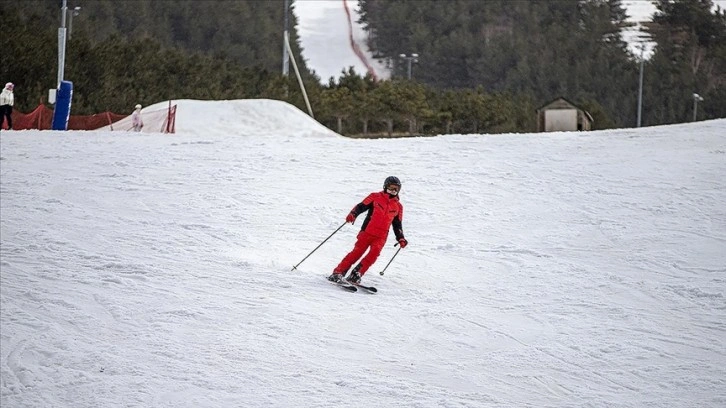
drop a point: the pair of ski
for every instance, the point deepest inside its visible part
(353, 287)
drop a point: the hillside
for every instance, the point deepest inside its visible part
(545, 270)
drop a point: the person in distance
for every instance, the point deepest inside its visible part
(6, 105)
(136, 120)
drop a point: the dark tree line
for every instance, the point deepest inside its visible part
(546, 49)
(690, 58)
(246, 31)
(485, 66)
(142, 51)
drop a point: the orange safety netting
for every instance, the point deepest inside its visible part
(162, 120)
(42, 116)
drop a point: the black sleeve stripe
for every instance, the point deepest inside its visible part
(397, 227)
(361, 208)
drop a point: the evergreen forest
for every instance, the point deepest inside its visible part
(484, 66)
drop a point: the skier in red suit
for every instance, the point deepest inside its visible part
(384, 210)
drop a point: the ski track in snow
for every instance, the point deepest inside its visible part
(558, 270)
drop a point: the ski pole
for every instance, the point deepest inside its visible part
(389, 262)
(316, 248)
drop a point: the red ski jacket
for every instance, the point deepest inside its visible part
(383, 211)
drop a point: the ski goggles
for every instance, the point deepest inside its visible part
(393, 189)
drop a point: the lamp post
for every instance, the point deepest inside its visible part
(642, 38)
(76, 11)
(285, 35)
(696, 98)
(411, 59)
(640, 87)
(62, 43)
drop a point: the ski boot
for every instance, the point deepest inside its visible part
(354, 277)
(336, 278)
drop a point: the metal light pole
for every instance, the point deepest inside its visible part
(285, 39)
(76, 11)
(62, 43)
(696, 98)
(411, 59)
(640, 88)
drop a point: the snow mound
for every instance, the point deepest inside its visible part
(242, 117)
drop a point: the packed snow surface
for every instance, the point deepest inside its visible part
(543, 270)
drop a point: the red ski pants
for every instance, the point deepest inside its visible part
(365, 241)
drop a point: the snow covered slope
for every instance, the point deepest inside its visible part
(544, 270)
(333, 41)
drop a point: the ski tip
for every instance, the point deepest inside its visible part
(369, 289)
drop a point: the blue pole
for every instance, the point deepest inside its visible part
(62, 111)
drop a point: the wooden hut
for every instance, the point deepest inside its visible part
(561, 115)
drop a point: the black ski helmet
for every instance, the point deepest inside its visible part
(391, 180)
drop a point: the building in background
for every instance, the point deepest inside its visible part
(561, 115)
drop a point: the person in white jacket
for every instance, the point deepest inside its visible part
(6, 105)
(136, 121)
